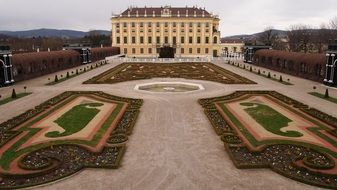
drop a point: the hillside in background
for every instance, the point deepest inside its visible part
(250, 37)
(52, 33)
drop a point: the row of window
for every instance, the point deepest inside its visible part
(157, 24)
(166, 40)
(166, 31)
(150, 50)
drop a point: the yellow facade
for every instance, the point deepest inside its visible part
(143, 32)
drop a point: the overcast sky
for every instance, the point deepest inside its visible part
(237, 16)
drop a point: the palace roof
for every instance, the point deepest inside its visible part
(166, 11)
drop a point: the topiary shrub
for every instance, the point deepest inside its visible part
(251, 69)
(281, 80)
(14, 94)
(326, 95)
(68, 75)
(91, 67)
(269, 75)
(259, 72)
(56, 79)
(76, 71)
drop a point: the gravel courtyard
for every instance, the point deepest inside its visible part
(173, 145)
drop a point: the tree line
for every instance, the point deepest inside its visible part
(301, 37)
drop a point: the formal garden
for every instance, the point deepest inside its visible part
(140, 71)
(60, 137)
(265, 129)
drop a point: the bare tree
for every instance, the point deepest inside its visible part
(333, 27)
(268, 36)
(300, 38)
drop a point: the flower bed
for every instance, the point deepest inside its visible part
(59, 159)
(196, 71)
(301, 161)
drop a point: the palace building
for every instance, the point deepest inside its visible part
(166, 32)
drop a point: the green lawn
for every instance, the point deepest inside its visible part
(10, 99)
(319, 95)
(75, 119)
(270, 119)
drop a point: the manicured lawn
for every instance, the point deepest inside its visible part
(10, 99)
(75, 119)
(319, 95)
(270, 119)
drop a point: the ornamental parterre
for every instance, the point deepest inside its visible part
(140, 71)
(70, 132)
(265, 129)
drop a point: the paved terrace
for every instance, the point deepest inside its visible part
(173, 145)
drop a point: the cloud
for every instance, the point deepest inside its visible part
(237, 16)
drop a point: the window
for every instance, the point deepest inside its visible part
(158, 24)
(199, 24)
(141, 24)
(142, 50)
(199, 40)
(133, 39)
(125, 24)
(174, 40)
(191, 24)
(149, 40)
(141, 39)
(117, 25)
(215, 40)
(174, 24)
(149, 24)
(166, 24)
(118, 40)
(182, 40)
(235, 49)
(190, 40)
(150, 50)
(206, 51)
(182, 24)
(190, 50)
(158, 40)
(125, 50)
(133, 24)
(166, 40)
(198, 50)
(125, 40)
(182, 51)
(207, 40)
(133, 50)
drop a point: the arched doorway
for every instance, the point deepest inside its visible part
(166, 52)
